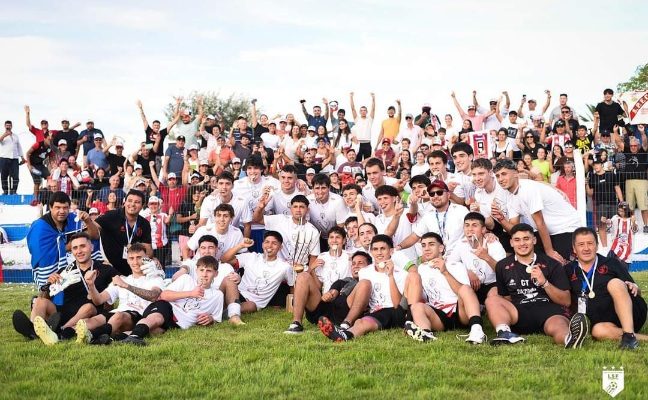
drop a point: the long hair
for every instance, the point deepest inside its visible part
(346, 131)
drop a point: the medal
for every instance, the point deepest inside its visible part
(529, 269)
(381, 265)
(591, 295)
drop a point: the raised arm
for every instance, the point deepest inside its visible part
(154, 175)
(353, 109)
(508, 99)
(303, 106)
(462, 113)
(520, 110)
(140, 107)
(255, 120)
(27, 119)
(474, 99)
(547, 102)
(399, 111)
(176, 115)
(326, 108)
(201, 107)
(372, 113)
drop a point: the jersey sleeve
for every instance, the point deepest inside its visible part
(502, 290)
(113, 292)
(421, 227)
(459, 272)
(272, 221)
(192, 243)
(245, 259)
(558, 276)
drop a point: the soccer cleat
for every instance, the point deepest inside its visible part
(23, 325)
(412, 330)
(628, 341)
(476, 336)
(103, 339)
(136, 340)
(331, 331)
(345, 325)
(578, 328)
(295, 328)
(44, 332)
(83, 334)
(505, 337)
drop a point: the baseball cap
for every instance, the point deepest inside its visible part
(90, 121)
(211, 117)
(154, 199)
(272, 123)
(282, 120)
(386, 140)
(65, 119)
(532, 101)
(180, 137)
(409, 116)
(310, 171)
(236, 160)
(196, 175)
(437, 184)
(186, 112)
(436, 141)
(312, 128)
(148, 146)
(119, 143)
(85, 174)
(204, 162)
(172, 175)
(193, 147)
(62, 141)
(560, 123)
(93, 210)
(472, 107)
(140, 182)
(137, 166)
(98, 136)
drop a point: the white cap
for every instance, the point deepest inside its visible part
(193, 147)
(62, 141)
(204, 162)
(236, 160)
(211, 117)
(137, 166)
(310, 171)
(171, 175)
(119, 143)
(93, 210)
(154, 199)
(85, 174)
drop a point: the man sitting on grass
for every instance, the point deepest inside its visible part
(440, 297)
(134, 293)
(72, 303)
(603, 289)
(533, 296)
(226, 281)
(263, 274)
(387, 284)
(184, 303)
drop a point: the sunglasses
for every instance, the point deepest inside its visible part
(437, 193)
(568, 146)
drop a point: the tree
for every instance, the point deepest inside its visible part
(589, 116)
(227, 108)
(639, 81)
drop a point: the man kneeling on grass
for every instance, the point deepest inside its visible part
(533, 296)
(603, 289)
(184, 303)
(263, 274)
(440, 296)
(384, 297)
(69, 305)
(134, 292)
(227, 280)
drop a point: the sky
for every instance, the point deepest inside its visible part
(91, 60)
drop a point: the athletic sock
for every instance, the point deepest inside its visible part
(140, 330)
(68, 333)
(502, 327)
(476, 320)
(101, 330)
(348, 334)
(233, 309)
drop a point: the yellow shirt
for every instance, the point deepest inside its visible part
(391, 127)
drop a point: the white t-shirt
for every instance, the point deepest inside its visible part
(512, 133)
(381, 222)
(420, 169)
(241, 211)
(500, 196)
(414, 135)
(252, 192)
(224, 269)
(289, 232)
(226, 241)
(532, 196)
(187, 130)
(280, 202)
(466, 188)
(448, 224)
(327, 215)
(380, 290)
(270, 140)
(369, 191)
(362, 129)
(334, 269)
(261, 279)
(186, 310)
(436, 289)
(464, 256)
(129, 301)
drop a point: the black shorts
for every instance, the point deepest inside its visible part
(532, 317)
(389, 318)
(69, 309)
(561, 242)
(241, 299)
(134, 315)
(449, 322)
(336, 311)
(608, 314)
(483, 292)
(163, 308)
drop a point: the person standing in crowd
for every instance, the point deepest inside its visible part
(96, 157)
(10, 158)
(87, 136)
(153, 133)
(36, 159)
(609, 111)
(187, 127)
(317, 119)
(605, 190)
(159, 222)
(38, 133)
(635, 172)
(69, 134)
(390, 127)
(362, 126)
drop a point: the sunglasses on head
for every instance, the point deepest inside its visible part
(436, 193)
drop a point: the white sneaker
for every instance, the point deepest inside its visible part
(476, 336)
(44, 332)
(83, 334)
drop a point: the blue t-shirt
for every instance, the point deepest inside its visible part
(176, 159)
(98, 158)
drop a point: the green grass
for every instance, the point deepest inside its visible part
(259, 361)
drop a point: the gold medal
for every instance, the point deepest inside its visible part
(529, 269)
(381, 265)
(591, 294)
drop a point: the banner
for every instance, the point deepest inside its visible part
(637, 106)
(480, 143)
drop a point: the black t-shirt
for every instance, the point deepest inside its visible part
(77, 292)
(113, 237)
(97, 184)
(603, 187)
(187, 209)
(635, 165)
(345, 286)
(608, 114)
(115, 161)
(242, 152)
(302, 168)
(259, 129)
(70, 137)
(149, 139)
(40, 154)
(606, 270)
(144, 162)
(514, 281)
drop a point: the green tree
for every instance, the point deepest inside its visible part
(589, 116)
(227, 108)
(639, 81)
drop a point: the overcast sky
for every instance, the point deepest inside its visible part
(84, 59)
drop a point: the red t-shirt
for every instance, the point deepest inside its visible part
(40, 134)
(172, 197)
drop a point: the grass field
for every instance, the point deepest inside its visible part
(258, 361)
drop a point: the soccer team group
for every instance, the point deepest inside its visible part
(352, 264)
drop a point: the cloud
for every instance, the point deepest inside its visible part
(136, 18)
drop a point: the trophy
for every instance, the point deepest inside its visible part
(301, 248)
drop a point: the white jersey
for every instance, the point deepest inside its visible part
(380, 290)
(448, 224)
(464, 255)
(279, 202)
(369, 191)
(129, 301)
(224, 269)
(226, 241)
(242, 213)
(334, 269)
(186, 310)
(289, 231)
(559, 215)
(499, 196)
(261, 279)
(252, 192)
(436, 289)
(381, 222)
(325, 216)
(466, 188)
